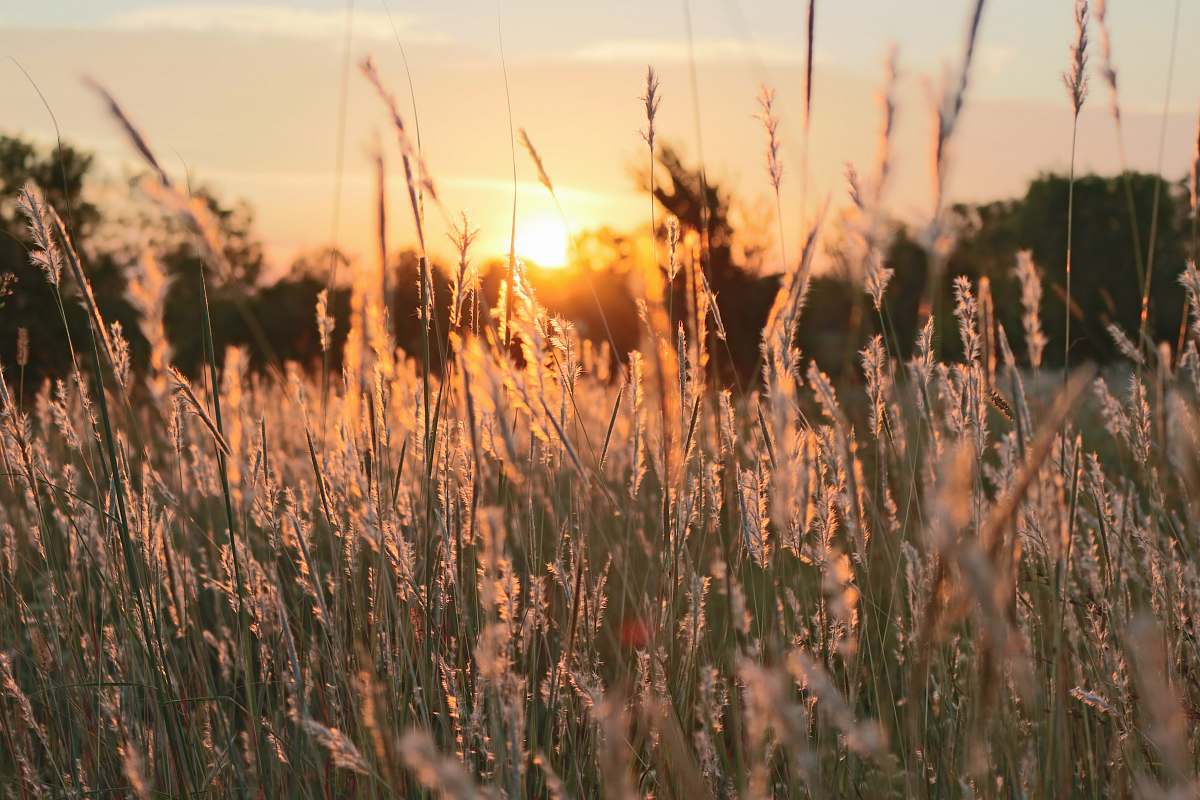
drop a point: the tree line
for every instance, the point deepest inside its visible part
(1116, 241)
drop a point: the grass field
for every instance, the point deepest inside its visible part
(516, 566)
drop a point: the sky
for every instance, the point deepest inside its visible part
(244, 96)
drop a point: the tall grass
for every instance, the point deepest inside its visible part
(1077, 85)
(514, 576)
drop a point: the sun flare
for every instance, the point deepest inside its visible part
(543, 241)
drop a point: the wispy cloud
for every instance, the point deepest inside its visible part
(269, 20)
(665, 51)
(535, 189)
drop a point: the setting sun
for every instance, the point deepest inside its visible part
(543, 241)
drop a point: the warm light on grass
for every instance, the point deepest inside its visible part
(488, 544)
(543, 241)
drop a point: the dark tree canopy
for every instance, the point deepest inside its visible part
(268, 319)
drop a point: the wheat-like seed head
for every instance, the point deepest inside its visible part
(1031, 300)
(325, 322)
(1108, 69)
(22, 346)
(650, 100)
(1076, 76)
(45, 253)
(543, 178)
(770, 123)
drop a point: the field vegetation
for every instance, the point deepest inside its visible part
(520, 562)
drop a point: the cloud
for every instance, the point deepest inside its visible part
(536, 189)
(666, 51)
(268, 20)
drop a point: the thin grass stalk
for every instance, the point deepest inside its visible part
(512, 237)
(251, 719)
(339, 171)
(1076, 83)
(1144, 314)
(810, 28)
(1109, 73)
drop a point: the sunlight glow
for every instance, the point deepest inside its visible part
(543, 241)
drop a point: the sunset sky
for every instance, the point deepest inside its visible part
(245, 95)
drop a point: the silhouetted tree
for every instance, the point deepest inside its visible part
(743, 297)
(26, 299)
(275, 321)
(1105, 283)
(1106, 287)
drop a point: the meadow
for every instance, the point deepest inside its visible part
(512, 564)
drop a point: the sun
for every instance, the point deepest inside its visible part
(543, 241)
